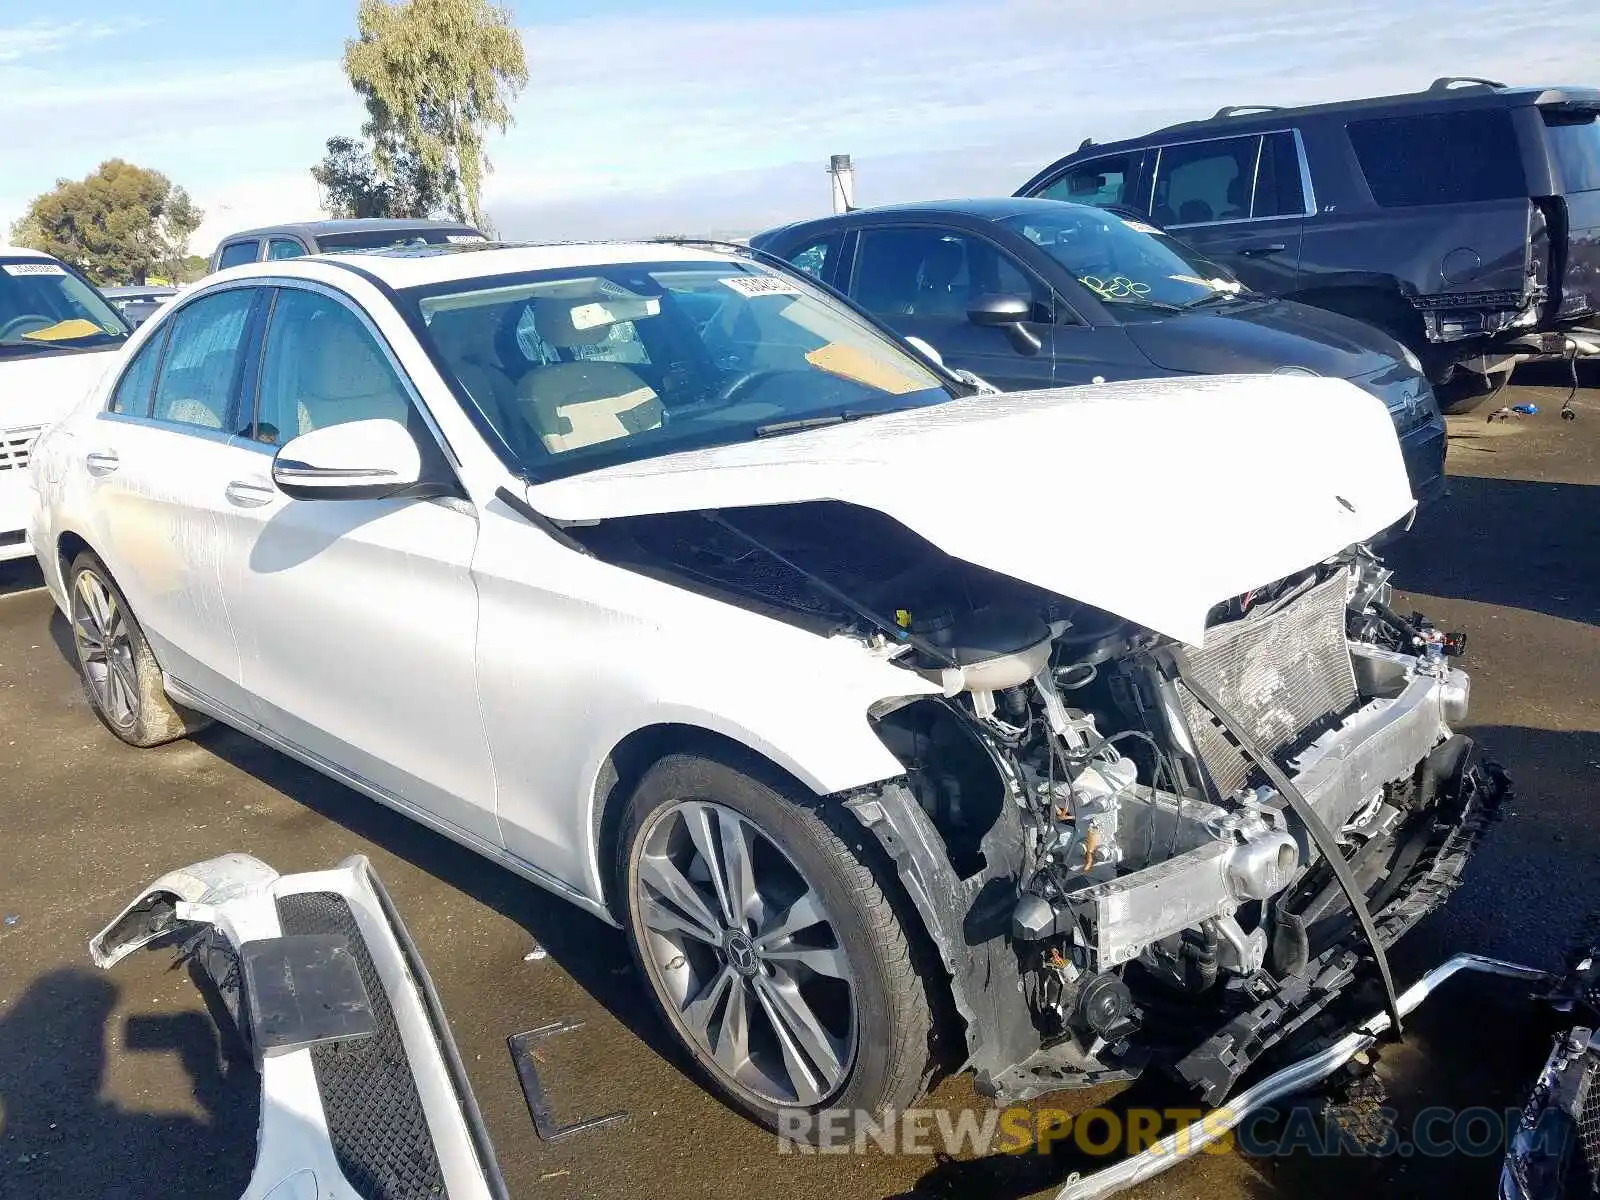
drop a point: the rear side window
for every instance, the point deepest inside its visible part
(133, 389)
(1206, 181)
(1280, 191)
(204, 349)
(321, 367)
(1440, 158)
(237, 254)
(1574, 141)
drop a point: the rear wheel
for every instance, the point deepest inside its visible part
(119, 671)
(769, 945)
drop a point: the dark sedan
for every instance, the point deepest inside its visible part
(1034, 293)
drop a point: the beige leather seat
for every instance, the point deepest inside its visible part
(583, 403)
(342, 377)
(466, 338)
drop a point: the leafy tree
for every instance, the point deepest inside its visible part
(352, 185)
(435, 75)
(121, 224)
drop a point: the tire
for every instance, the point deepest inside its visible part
(119, 672)
(877, 1053)
(1467, 391)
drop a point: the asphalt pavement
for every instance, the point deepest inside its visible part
(115, 1084)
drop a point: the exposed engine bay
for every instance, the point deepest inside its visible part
(1116, 875)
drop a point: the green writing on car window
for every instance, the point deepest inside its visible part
(1118, 287)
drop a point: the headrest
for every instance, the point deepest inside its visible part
(553, 319)
(339, 360)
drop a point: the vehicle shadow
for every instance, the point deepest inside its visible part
(20, 575)
(68, 1140)
(1509, 542)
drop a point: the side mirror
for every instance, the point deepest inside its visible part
(361, 460)
(998, 311)
(1008, 313)
(926, 350)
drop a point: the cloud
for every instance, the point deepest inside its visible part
(40, 37)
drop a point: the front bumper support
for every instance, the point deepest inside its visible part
(1191, 1139)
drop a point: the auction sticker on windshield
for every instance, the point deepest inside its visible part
(1141, 227)
(33, 268)
(751, 286)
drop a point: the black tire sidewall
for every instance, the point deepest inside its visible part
(792, 822)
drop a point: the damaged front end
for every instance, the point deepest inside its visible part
(1128, 850)
(1168, 901)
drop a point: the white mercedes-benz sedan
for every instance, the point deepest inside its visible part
(901, 727)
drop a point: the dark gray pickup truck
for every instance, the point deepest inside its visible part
(1464, 219)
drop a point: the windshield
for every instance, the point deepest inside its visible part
(592, 366)
(1124, 262)
(44, 307)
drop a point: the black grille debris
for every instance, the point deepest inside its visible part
(376, 1124)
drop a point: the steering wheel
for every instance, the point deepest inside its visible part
(39, 321)
(736, 388)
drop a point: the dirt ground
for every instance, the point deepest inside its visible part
(113, 1085)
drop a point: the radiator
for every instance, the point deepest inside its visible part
(1285, 675)
(16, 446)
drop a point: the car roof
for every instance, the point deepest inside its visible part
(348, 225)
(137, 289)
(416, 266)
(1442, 93)
(25, 252)
(977, 208)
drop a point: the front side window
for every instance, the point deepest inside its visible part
(1440, 158)
(817, 259)
(320, 366)
(205, 347)
(281, 248)
(44, 307)
(935, 273)
(1101, 182)
(1128, 265)
(236, 254)
(585, 367)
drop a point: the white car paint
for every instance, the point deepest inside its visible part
(236, 896)
(1244, 479)
(33, 393)
(454, 660)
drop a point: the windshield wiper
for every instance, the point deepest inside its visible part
(1215, 298)
(777, 428)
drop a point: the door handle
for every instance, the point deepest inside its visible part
(1262, 249)
(101, 462)
(243, 494)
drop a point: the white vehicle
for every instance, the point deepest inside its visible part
(902, 728)
(57, 336)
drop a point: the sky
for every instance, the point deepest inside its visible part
(645, 117)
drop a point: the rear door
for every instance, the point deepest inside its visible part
(1241, 201)
(920, 280)
(159, 461)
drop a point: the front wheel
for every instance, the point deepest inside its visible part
(119, 671)
(770, 946)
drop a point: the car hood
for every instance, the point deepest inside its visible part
(1263, 335)
(42, 388)
(1152, 499)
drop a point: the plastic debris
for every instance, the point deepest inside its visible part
(11, 919)
(537, 953)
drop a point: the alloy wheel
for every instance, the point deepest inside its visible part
(105, 649)
(744, 954)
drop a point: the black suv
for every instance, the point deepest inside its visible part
(1463, 220)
